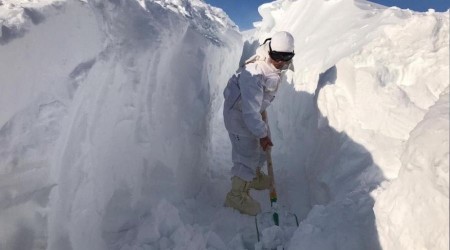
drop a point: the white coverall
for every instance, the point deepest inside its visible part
(248, 93)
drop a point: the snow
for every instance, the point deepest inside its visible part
(111, 131)
(418, 198)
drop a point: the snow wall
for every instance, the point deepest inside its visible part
(378, 79)
(111, 124)
(105, 110)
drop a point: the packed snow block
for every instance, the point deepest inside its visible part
(164, 229)
(327, 78)
(248, 50)
(119, 218)
(34, 15)
(8, 34)
(79, 74)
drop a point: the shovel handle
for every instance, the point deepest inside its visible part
(270, 164)
(273, 192)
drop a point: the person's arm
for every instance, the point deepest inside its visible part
(252, 93)
(266, 141)
(264, 116)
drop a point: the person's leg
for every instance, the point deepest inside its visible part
(240, 199)
(245, 159)
(246, 154)
(262, 180)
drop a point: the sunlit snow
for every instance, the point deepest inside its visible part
(111, 130)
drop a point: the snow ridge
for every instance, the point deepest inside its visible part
(207, 19)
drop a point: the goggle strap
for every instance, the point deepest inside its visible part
(267, 39)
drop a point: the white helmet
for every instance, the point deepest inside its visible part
(282, 41)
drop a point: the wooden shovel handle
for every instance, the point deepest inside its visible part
(273, 192)
(270, 164)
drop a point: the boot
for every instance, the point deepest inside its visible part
(261, 181)
(239, 198)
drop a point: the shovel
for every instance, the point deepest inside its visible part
(274, 227)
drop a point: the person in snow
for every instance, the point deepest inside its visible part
(247, 95)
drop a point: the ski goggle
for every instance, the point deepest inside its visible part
(280, 56)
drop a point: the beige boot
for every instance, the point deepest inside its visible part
(239, 198)
(261, 181)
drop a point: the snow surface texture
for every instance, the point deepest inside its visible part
(111, 133)
(381, 72)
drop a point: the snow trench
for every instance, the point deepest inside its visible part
(112, 136)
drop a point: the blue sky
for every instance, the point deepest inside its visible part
(245, 12)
